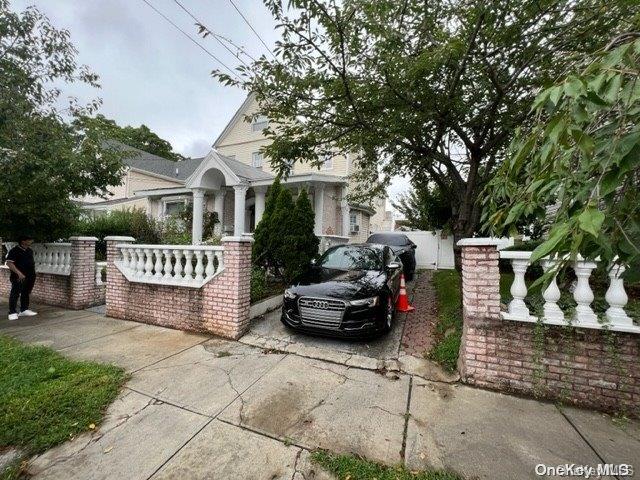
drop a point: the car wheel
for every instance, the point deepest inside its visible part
(389, 314)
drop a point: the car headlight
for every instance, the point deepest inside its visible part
(366, 302)
(289, 294)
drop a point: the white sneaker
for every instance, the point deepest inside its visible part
(28, 313)
(13, 316)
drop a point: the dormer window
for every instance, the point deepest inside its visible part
(257, 159)
(327, 163)
(259, 123)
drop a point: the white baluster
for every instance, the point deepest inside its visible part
(148, 265)
(167, 263)
(188, 267)
(210, 270)
(617, 298)
(220, 257)
(551, 294)
(67, 260)
(55, 259)
(583, 295)
(517, 307)
(178, 265)
(140, 263)
(132, 259)
(157, 266)
(199, 265)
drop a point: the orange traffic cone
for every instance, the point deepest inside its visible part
(403, 305)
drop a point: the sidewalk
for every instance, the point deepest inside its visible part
(202, 407)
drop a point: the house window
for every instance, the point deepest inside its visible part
(173, 208)
(327, 164)
(256, 159)
(354, 227)
(259, 123)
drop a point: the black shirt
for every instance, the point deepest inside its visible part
(23, 260)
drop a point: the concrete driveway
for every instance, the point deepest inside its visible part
(203, 407)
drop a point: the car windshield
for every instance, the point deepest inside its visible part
(393, 240)
(351, 258)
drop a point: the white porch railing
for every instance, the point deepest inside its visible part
(50, 257)
(615, 317)
(178, 265)
(328, 241)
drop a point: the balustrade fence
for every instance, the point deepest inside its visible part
(50, 257)
(179, 265)
(615, 317)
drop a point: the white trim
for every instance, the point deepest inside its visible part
(564, 323)
(95, 239)
(304, 178)
(240, 239)
(486, 242)
(233, 120)
(158, 191)
(157, 175)
(118, 238)
(213, 160)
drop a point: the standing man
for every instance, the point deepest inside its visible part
(23, 276)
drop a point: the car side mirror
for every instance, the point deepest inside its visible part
(393, 266)
(414, 246)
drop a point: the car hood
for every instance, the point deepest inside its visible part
(346, 285)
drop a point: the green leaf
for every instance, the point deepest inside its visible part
(557, 234)
(591, 221)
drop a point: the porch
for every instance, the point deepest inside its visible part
(237, 194)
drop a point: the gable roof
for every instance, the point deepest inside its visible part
(148, 162)
(236, 116)
(245, 171)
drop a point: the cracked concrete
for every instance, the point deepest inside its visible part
(201, 407)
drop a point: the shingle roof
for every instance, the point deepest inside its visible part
(245, 171)
(181, 170)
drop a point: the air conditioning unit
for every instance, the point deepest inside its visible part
(355, 228)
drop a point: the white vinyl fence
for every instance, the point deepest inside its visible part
(434, 250)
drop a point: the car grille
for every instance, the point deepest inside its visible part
(321, 312)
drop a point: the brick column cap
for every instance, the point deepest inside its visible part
(83, 239)
(116, 238)
(241, 239)
(485, 242)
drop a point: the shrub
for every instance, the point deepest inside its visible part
(258, 284)
(134, 222)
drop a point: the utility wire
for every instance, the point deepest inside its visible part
(217, 37)
(191, 38)
(252, 29)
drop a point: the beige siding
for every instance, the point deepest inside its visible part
(241, 142)
(140, 181)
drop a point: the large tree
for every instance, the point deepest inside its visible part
(433, 90)
(578, 166)
(138, 137)
(44, 160)
(425, 207)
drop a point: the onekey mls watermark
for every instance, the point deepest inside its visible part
(585, 471)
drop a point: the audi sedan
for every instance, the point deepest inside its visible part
(350, 291)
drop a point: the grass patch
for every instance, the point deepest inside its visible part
(350, 467)
(447, 285)
(46, 399)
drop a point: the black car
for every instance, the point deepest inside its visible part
(401, 246)
(350, 291)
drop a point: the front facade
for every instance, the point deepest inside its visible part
(233, 179)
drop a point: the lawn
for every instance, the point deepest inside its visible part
(350, 467)
(449, 330)
(46, 399)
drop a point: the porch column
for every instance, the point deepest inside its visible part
(346, 218)
(218, 207)
(240, 195)
(260, 193)
(318, 201)
(198, 210)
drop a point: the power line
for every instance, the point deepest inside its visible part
(191, 38)
(252, 29)
(217, 37)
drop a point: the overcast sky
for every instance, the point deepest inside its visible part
(151, 73)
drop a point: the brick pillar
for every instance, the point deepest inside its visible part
(226, 300)
(480, 300)
(117, 286)
(82, 280)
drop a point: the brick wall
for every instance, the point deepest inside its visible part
(220, 307)
(75, 291)
(585, 367)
